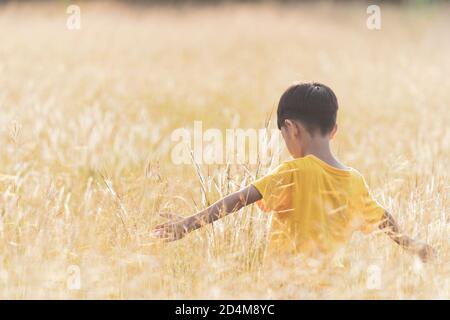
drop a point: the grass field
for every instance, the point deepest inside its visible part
(86, 118)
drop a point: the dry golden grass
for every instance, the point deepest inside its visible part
(84, 110)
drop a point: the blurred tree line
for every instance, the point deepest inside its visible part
(283, 1)
(174, 2)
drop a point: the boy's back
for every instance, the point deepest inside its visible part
(317, 202)
(316, 206)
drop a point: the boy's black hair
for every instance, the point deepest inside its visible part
(313, 104)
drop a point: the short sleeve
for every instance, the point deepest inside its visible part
(276, 189)
(372, 212)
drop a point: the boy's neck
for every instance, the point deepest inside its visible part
(322, 151)
(320, 147)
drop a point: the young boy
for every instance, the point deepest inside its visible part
(317, 201)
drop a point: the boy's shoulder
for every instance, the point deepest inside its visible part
(311, 164)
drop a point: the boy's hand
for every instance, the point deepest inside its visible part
(179, 226)
(172, 230)
(424, 251)
(391, 228)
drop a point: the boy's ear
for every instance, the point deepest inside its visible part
(333, 132)
(291, 126)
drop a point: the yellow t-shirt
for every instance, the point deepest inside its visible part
(316, 207)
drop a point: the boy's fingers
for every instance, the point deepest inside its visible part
(165, 237)
(427, 253)
(164, 226)
(169, 239)
(161, 232)
(156, 234)
(430, 254)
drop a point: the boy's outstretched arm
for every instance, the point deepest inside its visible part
(179, 226)
(391, 228)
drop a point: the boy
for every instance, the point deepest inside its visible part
(317, 201)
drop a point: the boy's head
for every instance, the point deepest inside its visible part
(307, 111)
